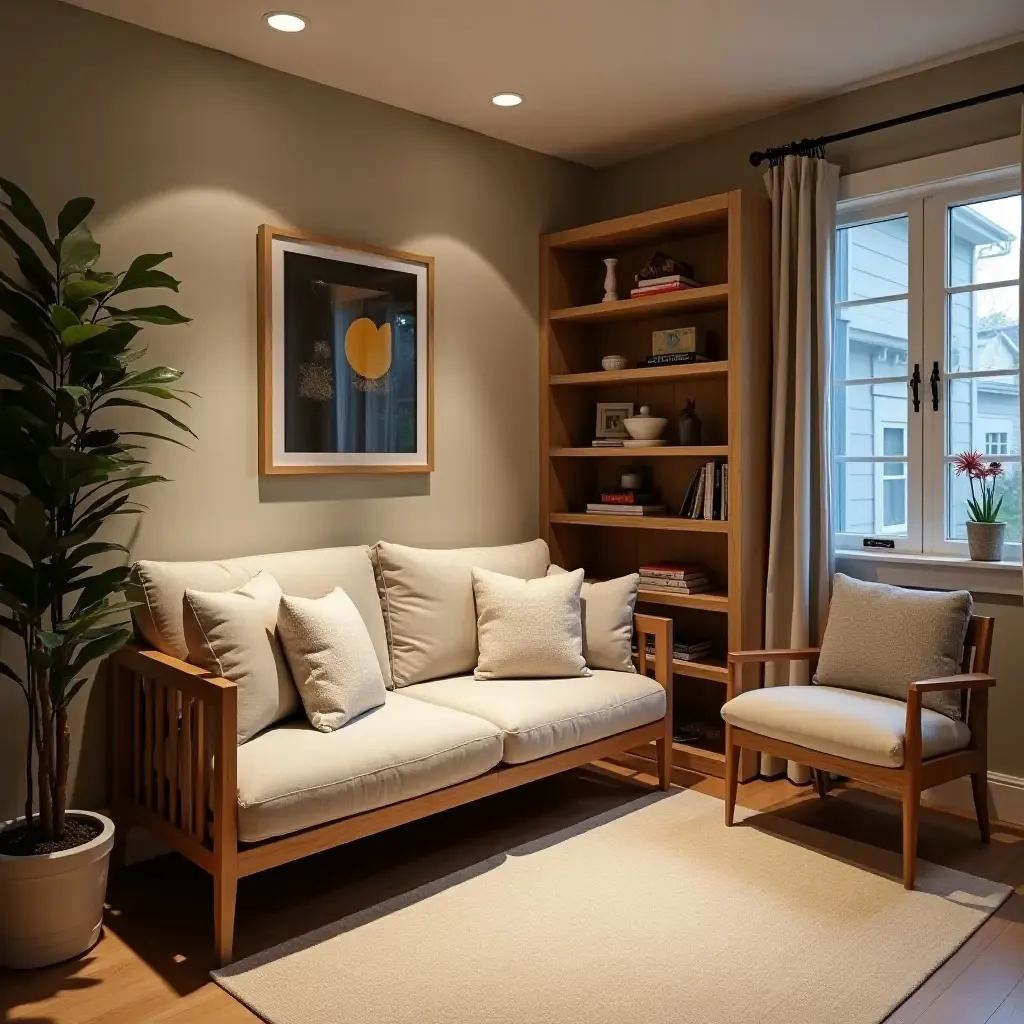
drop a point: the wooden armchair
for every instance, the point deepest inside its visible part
(917, 772)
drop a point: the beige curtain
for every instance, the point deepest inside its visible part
(1020, 289)
(803, 192)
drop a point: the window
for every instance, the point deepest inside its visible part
(996, 443)
(926, 290)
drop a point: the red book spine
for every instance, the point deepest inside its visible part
(677, 287)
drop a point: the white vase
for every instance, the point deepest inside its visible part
(53, 903)
(610, 293)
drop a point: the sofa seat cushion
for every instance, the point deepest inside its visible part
(543, 716)
(847, 723)
(292, 776)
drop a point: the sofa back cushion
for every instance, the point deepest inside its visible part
(879, 639)
(427, 597)
(160, 588)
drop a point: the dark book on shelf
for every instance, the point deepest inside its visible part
(674, 359)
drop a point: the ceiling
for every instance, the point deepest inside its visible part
(602, 81)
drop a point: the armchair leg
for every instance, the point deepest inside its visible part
(664, 762)
(732, 775)
(911, 813)
(979, 787)
(820, 782)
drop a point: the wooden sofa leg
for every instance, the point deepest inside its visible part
(820, 781)
(664, 746)
(732, 775)
(225, 889)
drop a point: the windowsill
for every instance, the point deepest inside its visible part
(941, 572)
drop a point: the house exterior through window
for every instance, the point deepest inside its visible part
(926, 290)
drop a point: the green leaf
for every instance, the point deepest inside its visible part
(142, 275)
(88, 550)
(100, 438)
(155, 436)
(27, 213)
(99, 648)
(163, 315)
(9, 343)
(78, 251)
(30, 525)
(29, 263)
(74, 212)
(155, 375)
(6, 670)
(87, 287)
(82, 332)
(62, 318)
(134, 403)
(15, 367)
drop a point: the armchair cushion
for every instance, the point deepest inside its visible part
(879, 639)
(846, 723)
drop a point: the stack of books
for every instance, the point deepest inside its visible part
(666, 283)
(707, 497)
(684, 650)
(628, 503)
(674, 359)
(678, 577)
(607, 442)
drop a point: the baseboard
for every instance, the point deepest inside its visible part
(1005, 793)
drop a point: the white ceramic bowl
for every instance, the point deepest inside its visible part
(614, 363)
(644, 427)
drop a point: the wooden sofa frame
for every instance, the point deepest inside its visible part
(917, 774)
(174, 725)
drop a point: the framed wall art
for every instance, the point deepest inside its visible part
(345, 356)
(611, 417)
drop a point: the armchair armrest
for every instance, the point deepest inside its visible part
(661, 629)
(966, 681)
(779, 654)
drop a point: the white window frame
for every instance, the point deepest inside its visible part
(1001, 442)
(923, 190)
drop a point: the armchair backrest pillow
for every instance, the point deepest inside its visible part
(879, 639)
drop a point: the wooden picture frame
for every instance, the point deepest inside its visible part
(354, 401)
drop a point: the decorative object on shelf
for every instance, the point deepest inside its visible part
(611, 420)
(689, 424)
(678, 340)
(636, 478)
(645, 427)
(678, 359)
(611, 293)
(614, 363)
(677, 577)
(72, 352)
(985, 531)
(664, 274)
(345, 335)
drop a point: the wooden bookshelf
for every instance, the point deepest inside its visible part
(726, 239)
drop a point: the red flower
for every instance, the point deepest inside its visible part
(970, 463)
(993, 469)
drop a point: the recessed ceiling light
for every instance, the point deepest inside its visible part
(285, 22)
(507, 99)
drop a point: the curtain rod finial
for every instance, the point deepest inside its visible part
(756, 159)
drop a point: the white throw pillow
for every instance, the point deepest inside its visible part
(233, 634)
(529, 629)
(607, 612)
(332, 658)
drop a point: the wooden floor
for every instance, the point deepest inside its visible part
(152, 962)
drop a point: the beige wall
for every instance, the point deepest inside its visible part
(189, 149)
(719, 162)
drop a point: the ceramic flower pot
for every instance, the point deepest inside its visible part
(985, 541)
(53, 903)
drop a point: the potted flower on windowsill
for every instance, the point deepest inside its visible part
(68, 371)
(985, 530)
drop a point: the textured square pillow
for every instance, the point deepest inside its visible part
(233, 634)
(879, 639)
(332, 658)
(607, 611)
(529, 629)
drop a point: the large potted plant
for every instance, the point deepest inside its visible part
(69, 368)
(985, 530)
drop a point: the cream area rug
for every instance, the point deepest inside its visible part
(656, 913)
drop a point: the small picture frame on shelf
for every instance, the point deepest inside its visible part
(611, 417)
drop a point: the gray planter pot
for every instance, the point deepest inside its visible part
(985, 541)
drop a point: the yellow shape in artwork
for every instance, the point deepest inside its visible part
(368, 348)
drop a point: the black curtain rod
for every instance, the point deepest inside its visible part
(815, 147)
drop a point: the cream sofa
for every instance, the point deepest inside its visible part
(441, 738)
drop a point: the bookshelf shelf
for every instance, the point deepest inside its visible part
(642, 375)
(699, 602)
(640, 522)
(708, 451)
(692, 299)
(725, 239)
